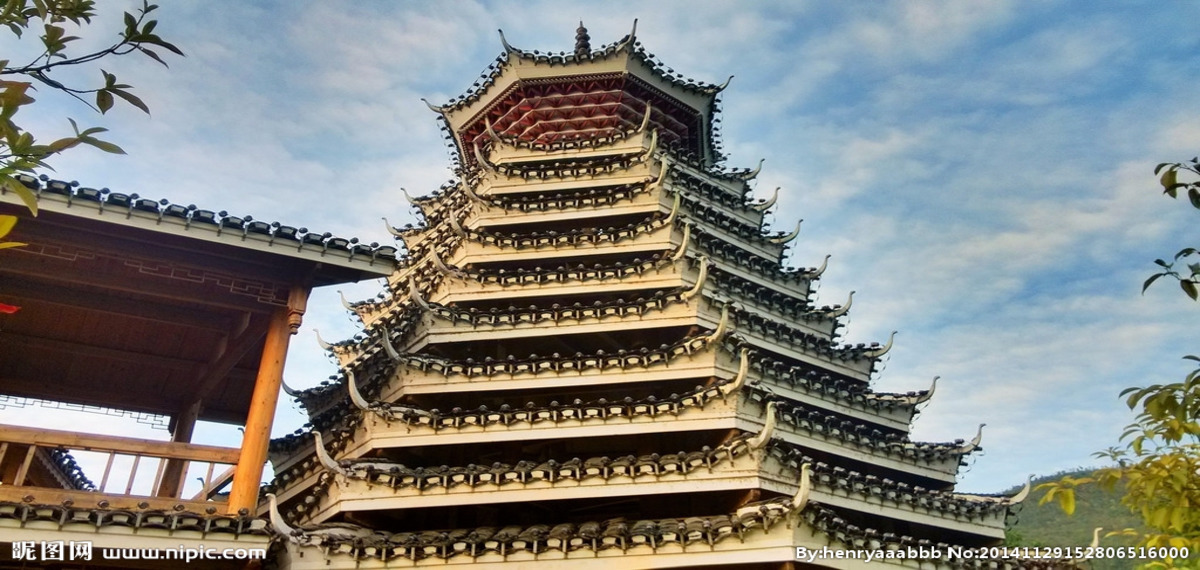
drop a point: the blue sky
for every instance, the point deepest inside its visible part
(980, 172)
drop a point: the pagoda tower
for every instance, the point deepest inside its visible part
(593, 356)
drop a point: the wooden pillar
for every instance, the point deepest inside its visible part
(184, 424)
(10, 462)
(244, 494)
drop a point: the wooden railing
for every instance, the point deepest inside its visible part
(19, 447)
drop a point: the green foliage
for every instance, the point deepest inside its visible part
(19, 149)
(1158, 466)
(1169, 178)
(1047, 525)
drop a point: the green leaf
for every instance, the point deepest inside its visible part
(102, 145)
(1169, 179)
(1150, 281)
(153, 56)
(1066, 500)
(155, 40)
(104, 101)
(132, 100)
(1189, 287)
(1049, 496)
(63, 144)
(6, 224)
(25, 194)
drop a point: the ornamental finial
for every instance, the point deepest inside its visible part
(583, 45)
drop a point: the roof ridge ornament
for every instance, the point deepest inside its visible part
(683, 243)
(415, 293)
(292, 392)
(583, 46)
(653, 145)
(445, 269)
(355, 396)
(768, 203)
(629, 40)
(699, 286)
(321, 341)
(842, 309)
(645, 118)
(821, 270)
(789, 237)
(475, 197)
(760, 440)
(436, 109)
(674, 211)
(1091, 549)
(928, 393)
(280, 526)
(664, 167)
(392, 230)
(753, 173)
(742, 373)
(456, 226)
(388, 347)
(800, 500)
(721, 87)
(346, 303)
(883, 349)
(722, 325)
(1023, 493)
(407, 197)
(974, 443)
(324, 457)
(483, 163)
(487, 128)
(507, 46)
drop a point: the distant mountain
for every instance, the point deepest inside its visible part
(1048, 525)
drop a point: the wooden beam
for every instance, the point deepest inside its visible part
(23, 470)
(172, 482)
(244, 494)
(109, 278)
(127, 445)
(213, 485)
(232, 349)
(144, 401)
(189, 315)
(44, 496)
(92, 351)
(8, 470)
(108, 235)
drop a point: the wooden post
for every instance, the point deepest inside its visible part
(246, 480)
(181, 432)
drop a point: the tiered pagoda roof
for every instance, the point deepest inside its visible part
(592, 349)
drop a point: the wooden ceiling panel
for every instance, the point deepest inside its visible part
(109, 321)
